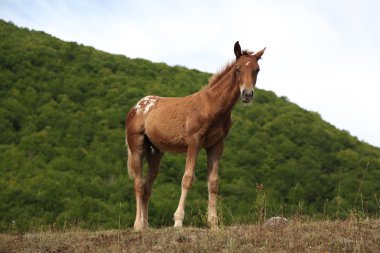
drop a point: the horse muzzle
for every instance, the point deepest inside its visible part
(247, 96)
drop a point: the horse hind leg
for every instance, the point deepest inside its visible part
(213, 156)
(135, 164)
(153, 157)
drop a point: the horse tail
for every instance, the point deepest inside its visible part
(131, 171)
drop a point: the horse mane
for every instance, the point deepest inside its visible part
(247, 52)
(221, 73)
(218, 76)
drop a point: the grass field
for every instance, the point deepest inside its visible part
(352, 235)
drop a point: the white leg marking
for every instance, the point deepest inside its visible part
(180, 213)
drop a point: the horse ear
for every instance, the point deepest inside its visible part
(237, 50)
(260, 53)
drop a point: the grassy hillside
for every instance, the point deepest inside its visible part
(323, 236)
(63, 159)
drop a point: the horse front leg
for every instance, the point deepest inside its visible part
(187, 181)
(213, 156)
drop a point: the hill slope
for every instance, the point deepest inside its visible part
(63, 159)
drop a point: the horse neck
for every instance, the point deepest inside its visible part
(224, 94)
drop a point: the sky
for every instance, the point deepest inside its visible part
(322, 55)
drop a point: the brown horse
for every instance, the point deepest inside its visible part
(156, 125)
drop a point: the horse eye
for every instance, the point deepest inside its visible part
(237, 70)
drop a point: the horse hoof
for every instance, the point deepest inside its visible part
(138, 227)
(178, 223)
(213, 226)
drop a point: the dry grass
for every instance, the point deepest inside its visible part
(323, 236)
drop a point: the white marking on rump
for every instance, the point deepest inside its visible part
(145, 104)
(247, 63)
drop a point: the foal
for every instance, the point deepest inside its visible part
(156, 125)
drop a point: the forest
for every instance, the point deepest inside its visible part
(63, 155)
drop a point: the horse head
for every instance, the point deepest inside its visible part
(246, 70)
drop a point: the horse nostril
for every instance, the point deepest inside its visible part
(246, 94)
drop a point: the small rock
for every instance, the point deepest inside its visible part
(276, 221)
